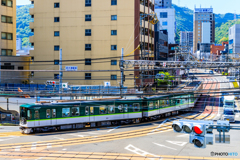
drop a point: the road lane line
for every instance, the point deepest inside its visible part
(49, 145)
(113, 129)
(34, 146)
(164, 146)
(159, 126)
(17, 148)
(140, 152)
(177, 143)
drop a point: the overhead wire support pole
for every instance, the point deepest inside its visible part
(122, 72)
(60, 73)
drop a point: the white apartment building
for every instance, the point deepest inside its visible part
(234, 40)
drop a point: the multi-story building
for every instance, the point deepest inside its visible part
(164, 3)
(186, 38)
(234, 41)
(18, 43)
(88, 31)
(8, 28)
(166, 17)
(201, 16)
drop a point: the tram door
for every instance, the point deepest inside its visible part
(36, 117)
(92, 117)
(126, 112)
(54, 118)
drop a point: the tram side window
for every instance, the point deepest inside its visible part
(75, 111)
(111, 109)
(136, 107)
(150, 105)
(29, 114)
(53, 113)
(125, 108)
(92, 110)
(178, 101)
(66, 112)
(120, 108)
(48, 113)
(86, 110)
(36, 115)
(103, 110)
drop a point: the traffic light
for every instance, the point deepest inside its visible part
(199, 131)
(53, 83)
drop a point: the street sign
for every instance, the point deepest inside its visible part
(71, 68)
(107, 84)
(64, 85)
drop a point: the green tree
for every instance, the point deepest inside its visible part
(167, 80)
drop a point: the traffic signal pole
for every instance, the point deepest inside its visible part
(60, 73)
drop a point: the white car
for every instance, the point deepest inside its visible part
(228, 114)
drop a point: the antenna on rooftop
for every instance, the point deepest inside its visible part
(235, 16)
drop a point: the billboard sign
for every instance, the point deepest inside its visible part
(71, 68)
(207, 10)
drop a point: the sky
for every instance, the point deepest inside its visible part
(219, 6)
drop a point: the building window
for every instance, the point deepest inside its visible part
(113, 62)
(56, 76)
(231, 41)
(56, 48)
(113, 17)
(88, 3)
(113, 47)
(56, 5)
(56, 33)
(56, 19)
(230, 50)
(20, 68)
(88, 76)
(88, 17)
(7, 3)
(113, 32)
(88, 61)
(164, 23)
(88, 47)
(56, 62)
(6, 19)
(7, 36)
(163, 15)
(88, 32)
(32, 16)
(113, 77)
(6, 52)
(113, 2)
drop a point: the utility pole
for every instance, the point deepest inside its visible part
(60, 73)
(122, 73)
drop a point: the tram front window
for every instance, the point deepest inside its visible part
(24, 114)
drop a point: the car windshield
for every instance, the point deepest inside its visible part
(229, 103)
(228, 112)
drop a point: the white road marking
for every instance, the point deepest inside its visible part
(64, 149)
(158, 126)
(49, 145)
(34, 146)
(177, 143)
(113, 129)
(5, 139)
(59, 138)
(164, 146)
(93, 133)
(140, 152)
(17, 148)
(183, 135)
